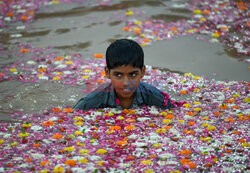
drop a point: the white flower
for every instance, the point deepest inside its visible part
(62, 66)
(166, 155)
(17, 158)
(31, 62)
(93, 157)
(37, 155)
(53, 119)
(57, 156)
(142, 119)
(133, 136)
(36, 128)
(42, 66)
(77, 170)
(67, 72)
(140, 144)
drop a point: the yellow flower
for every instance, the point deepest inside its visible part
(44, 171)
(71, 136)
(78, 118)
(146, 162)
(109, 114)
(70, 148)
(166, 121)
(56, 2)
(197, 11)
(78, 132)
(160, 131)
(69, 62)
(216, 34)
(13, 70)
(101, 151)
(163, 113)
(215, 160)
(14, 144)
(205, 125)
(80, 144)
(109, 132)
(129, 13)
(196, 103)
(86, 71)
(59, 73)
(22, 135)
(100, 163)
(176, 171)
(236, 95)
(27, 125)
(245, 144)
(1, 141)
(246, 100)
(83, 161)
(186, 105)
(137, 22)
(84, 152)
(156, 145)
(203, 19)
(211, 128)
(205, 118)
(56, 78)
(197, 109)
(188, 74)
(205, 139)
(85, 77)
(120, 117)
(149, 171)
(181, 121)
(92, 140)
(196, 90)
(58, 169)
(142, 35)
(197, 77)
(79, 123)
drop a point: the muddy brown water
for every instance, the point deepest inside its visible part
(75, 28)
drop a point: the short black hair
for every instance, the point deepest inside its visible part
(124, 52)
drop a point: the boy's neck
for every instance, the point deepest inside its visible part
(126, 103)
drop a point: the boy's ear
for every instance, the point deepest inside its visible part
(143, 71)
(107, 72)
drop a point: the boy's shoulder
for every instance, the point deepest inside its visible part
(96, 99)
(150, 94)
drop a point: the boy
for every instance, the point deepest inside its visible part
(125, 67)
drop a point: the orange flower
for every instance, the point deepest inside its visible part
(217, 114)
(227, 120)
(230, 100)
(70, 162)
(167, 127)
(188, 131)
(126, 29)
(28, 160)
(206, 12)
(56, 109)
(223, 106)
(41, 69)
(208, 165)
(169, 116)
(184, 161)
(191, 165)
(57, 136)
(115, 128)
(125, 111)
(183, 92)
(24, 50)
(36, 145)
(60, 120)
(235, 107)
(174, 29)
(59, 58)
(191, 113)
(24, 17)
(241, 140)
(130, 120)
(228, 151)
(48, 123)
(131, 112)
(130, 158)
(236, 132)
(152, 156)
(68, 110)
(10, 14)
(43, 163)
(185, 152)
(130, 127)
(244, 117)
(98, 55)
(146, 40)
(121, 143)
(191, 123)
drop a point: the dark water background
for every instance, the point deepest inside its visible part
(72, 28)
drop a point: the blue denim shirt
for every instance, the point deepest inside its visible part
(105, 97)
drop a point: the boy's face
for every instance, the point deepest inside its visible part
(125, 79)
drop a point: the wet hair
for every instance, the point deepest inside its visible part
(124, 52)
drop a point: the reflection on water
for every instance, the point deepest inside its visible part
(168, 17)
(75, 46)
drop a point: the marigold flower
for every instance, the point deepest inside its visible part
(101, 151)
(167, 127)
(26, 125)
(36, 145)
(70, 162)
(191, 123)
(197, 109)
(23, 135)
(57, 136)
(83, 160)
(161, 130)
(241, 140)
(1, 141)
(24, 50)
(185, 152)
(58, 169)
(169, 116)
(48, 123)
(223, 106)
(146, 162)
(166, 121)
(78, 133)
(211, 128)
(99, 163)
(183, 92)
(156, 145)
(126, 29)
(130, 120)
(70, 149)
(84, 152)
(115, 128)
(43, 163)
(130, 127)
(98, 55)
(68, 110)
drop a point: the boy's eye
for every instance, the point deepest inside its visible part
(118, 74)
(133, 74)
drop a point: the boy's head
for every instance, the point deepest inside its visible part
(124, 52)
(125, 66)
